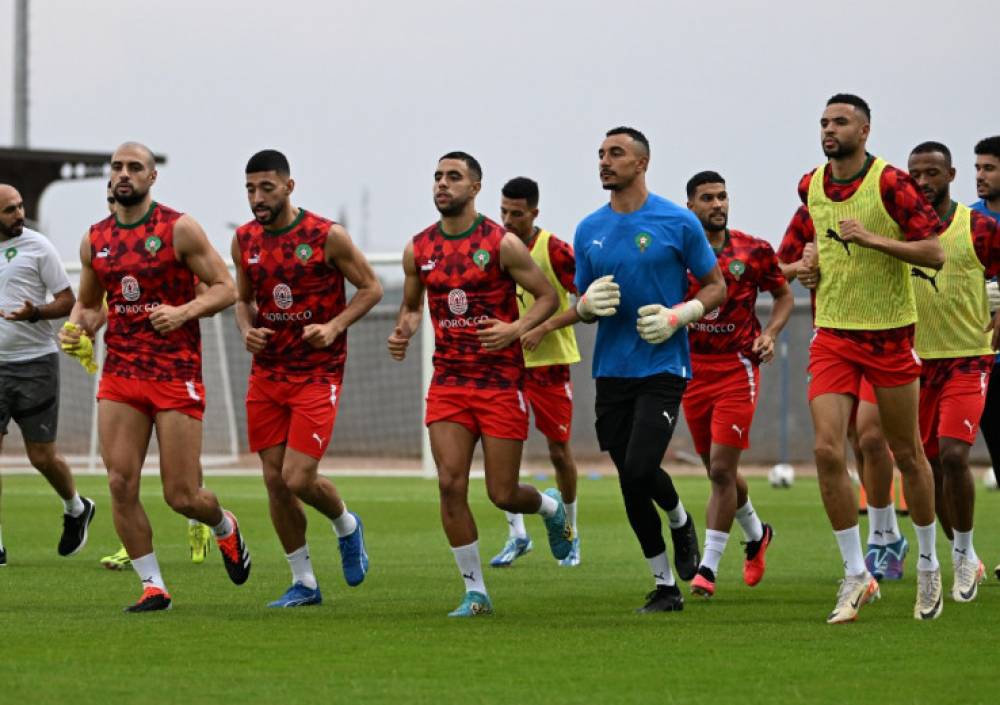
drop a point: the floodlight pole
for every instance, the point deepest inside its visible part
(21, 73)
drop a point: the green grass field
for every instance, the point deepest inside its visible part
(560, 635)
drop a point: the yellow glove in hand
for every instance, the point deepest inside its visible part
(83, 350)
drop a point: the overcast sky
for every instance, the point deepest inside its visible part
(369, 95)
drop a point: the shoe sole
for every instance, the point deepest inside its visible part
(86, 530)
(871, 597)
(165, 609)
(672, 608)
(302, 603)
(933, 614)
(114, 566)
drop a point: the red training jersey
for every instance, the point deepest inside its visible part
(294, 286)
(748, 265)
(465, 287)
(138, 267)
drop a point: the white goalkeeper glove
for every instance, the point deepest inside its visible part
(657, 322)
(602, 299)
(993, 294)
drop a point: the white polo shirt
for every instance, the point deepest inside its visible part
(30, 270)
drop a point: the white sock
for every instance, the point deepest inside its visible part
(549, 506)
(193, 522)
(715, 546)
(469, 565)
(883, 529)
(74, 506)
(677, 517)
(660, 567)
(849, 541)
(1, 537)
(748, 520)
(963, 546)
(345, 524)
(224, 528)
(148, 570)
(926, 553)
(302, 569)
(571, 513)
(515, 526)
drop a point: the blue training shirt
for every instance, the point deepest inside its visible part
(981, 206)
(649, 253)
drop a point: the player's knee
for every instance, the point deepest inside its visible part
(953, 460)
(503, 497)
(558, 454)
(43, 457)
(452, 487)
(124, 487)
(298, 482)
(274, 482)
(722, 476)
(828, 455)
(872, 443)
(180, 500)
(906, 458)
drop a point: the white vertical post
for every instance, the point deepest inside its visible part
(426, 375)
(21, 74)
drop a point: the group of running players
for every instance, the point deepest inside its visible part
(673, 291)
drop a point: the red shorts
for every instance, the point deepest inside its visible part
(866, 392)
(499, 413)
(720, 400)
(552, 405)
(299, 415)
(153, 396)
(839, 361)
(952, 395)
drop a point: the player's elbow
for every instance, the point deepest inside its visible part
(227, 294)
(375, 290)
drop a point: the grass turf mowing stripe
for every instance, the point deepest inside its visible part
(560, 635)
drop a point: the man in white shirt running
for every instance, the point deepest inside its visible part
(30, 269)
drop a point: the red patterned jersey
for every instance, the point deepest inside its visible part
(138, 267)
(936, 373)
(294, 286)
(563, 262)
(748, 265)
(548, 375)
(466, 286)
(986, 241)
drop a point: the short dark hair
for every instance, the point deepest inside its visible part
(701, 178)
(631, 132)
(850, 99)
(269, 160)
(522, 187)
(931, 147)
(470, 161)
(989, 147)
